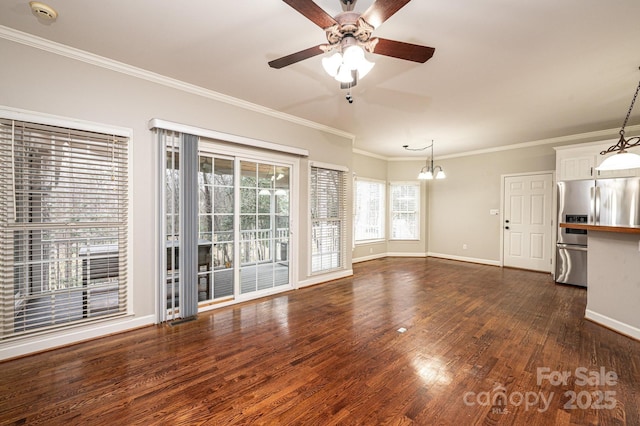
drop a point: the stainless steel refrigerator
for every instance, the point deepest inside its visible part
(575, 205)
(614, 202)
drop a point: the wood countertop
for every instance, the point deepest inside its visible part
(603, 228)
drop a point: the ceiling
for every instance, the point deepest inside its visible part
(504, 72)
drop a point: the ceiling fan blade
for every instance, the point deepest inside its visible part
(402, 50)
(296, 57)
(312, 12)
(381, 10)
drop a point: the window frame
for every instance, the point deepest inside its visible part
(417, 212)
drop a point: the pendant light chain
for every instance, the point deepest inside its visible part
(624, 159)
(633, 101)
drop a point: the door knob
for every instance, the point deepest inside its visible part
(506, 221)
(506, 227)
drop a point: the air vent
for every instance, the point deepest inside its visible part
(43, 11)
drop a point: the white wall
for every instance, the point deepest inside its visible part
(39, 81)
(460, 204)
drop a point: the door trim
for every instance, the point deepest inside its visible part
(554, 209)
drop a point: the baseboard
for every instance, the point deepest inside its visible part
(317, 279)
(464, 259)
(405, 254)
(370, 257)
(428, 254)
(613, 324)
(44, 342)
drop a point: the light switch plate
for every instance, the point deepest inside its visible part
(494, 212)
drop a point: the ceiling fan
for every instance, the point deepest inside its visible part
(348, 29)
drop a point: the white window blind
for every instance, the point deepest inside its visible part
(405, 211)
(369, 216)
(63, 218)
(328, 219)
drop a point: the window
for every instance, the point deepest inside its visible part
(369, 206)
(63, 221)
(405, 212)
(328, 219)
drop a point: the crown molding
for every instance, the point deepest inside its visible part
(120, 67)
(598, 135)
(370, 154)
(603, 134)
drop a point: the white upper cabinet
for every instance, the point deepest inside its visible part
(574, 168)
(576, 162)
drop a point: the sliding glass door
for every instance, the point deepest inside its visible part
(238, 209)
(243, 228)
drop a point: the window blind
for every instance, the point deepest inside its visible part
(328, 219)
(63, 214)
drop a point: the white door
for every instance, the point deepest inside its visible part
(527, 222)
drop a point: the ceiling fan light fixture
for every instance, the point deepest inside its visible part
(350, 34)
(331, 64)
(353, 56)
(364, 67)
(344, 75)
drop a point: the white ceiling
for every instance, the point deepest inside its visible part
(504, 71)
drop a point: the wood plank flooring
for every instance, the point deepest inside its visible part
(331, 354)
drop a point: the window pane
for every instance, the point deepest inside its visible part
(282, 177)
(223, 170)
(264, 201)
(206, 169)
(248, 200)
(266, 176)
(223, 199)
(248, 175)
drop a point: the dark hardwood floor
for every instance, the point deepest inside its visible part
(332, 354)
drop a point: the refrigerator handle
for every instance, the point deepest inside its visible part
(597, 205)
(562, 246)
(592, 204)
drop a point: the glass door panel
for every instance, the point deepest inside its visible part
(172, 231)
(248, 226)
(281, 225)
(215, 238)
(223, 221)
(264, 226)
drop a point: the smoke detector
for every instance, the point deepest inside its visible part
(43, 11)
